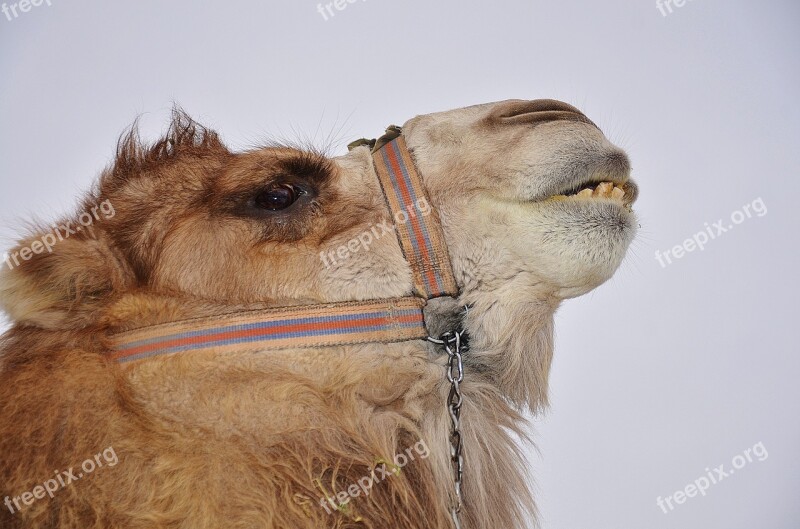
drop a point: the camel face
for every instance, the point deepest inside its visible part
(525, 189)
(533, 199)
(520, 189)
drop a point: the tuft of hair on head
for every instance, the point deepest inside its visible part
(184, 136)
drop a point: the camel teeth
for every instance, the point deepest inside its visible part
(603, 189)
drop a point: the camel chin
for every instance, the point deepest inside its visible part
(578, 244)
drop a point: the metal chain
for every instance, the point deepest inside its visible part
(455, 375)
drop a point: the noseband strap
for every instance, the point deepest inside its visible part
(330, 324)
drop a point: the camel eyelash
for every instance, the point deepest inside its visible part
(308, 166)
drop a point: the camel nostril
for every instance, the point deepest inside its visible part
(537, 111)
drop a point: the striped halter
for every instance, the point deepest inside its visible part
(330, 324)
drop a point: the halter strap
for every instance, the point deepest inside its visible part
(421, 237)
(383, 320)
(280, 328)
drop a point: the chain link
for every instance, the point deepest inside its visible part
(452, 342)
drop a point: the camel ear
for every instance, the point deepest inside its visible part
(57, 282)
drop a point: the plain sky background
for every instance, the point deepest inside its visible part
(659, 374)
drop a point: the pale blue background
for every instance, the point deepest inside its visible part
(659, 374)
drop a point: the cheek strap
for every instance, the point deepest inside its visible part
(418, 227)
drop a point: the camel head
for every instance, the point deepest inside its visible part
(534, 205)
(534, 201)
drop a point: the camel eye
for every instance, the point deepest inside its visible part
(277, 197)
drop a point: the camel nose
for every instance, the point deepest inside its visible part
(536, 112)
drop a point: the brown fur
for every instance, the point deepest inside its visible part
(251, 439)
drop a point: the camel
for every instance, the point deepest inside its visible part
(533, 205)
